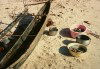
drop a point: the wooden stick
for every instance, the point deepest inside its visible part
(36, 3)
(19, 35)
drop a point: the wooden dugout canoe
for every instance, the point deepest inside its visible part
(37, 25)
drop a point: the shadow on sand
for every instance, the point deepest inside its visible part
(64, 49)
(65, 32)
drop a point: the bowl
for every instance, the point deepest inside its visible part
(53, 31)
(76, 49)
(83, 39)
(75, 30)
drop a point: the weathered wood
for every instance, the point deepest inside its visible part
(41, 14)
(23, 58)
(18, 63)
(11, 25)
(36, 3)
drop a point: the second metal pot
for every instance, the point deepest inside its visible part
(83, 39)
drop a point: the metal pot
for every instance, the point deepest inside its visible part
(76, 49)
(53, 31)
(83, 39)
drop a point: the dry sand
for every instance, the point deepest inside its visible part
(49, 54)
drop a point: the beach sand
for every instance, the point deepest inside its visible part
(51, 52)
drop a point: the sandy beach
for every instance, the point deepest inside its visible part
(51, 53)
